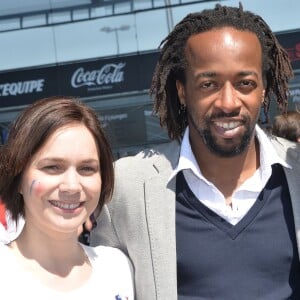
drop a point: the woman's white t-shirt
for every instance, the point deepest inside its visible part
(111, 278)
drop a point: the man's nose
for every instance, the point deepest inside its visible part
(228, 100)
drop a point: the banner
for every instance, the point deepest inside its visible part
(291, 43)
(81, 79)
(23, 87)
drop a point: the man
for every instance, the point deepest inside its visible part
(215, 214)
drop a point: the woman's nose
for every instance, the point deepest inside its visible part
(70, 182)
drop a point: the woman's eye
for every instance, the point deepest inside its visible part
(51, 168)
(87, 170)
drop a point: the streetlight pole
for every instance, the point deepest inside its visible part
(116, 30)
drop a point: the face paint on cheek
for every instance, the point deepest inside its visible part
(31, 186)
(35, 187)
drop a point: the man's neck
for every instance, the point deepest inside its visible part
(227, 174)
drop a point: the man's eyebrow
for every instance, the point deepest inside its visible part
(247, 73)
(208, 74)
(212, 74)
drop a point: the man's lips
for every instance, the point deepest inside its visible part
(228, 129)
(228, 125)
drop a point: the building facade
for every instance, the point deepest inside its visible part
(103, 52)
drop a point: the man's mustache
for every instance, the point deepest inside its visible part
(224, 115)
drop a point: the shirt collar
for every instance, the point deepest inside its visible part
(268, 154)
(187, 160)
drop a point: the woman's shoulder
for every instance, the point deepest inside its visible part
(106, 254)
(7, 260)
(113, 267)
(4, 251)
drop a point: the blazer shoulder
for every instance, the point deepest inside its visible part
(287, 150)
(151, 156)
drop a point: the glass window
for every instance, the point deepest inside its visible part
(101, 11)
(59, 17)
(80, 14)
(33, 21)
(9, 24)
(122, 7)
(142, 4)
(150, 33)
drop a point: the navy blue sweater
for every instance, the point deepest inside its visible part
(252, 260)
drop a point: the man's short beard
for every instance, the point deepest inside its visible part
(220, 150)
(223, 151)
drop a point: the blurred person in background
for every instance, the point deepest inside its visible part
(287, 125)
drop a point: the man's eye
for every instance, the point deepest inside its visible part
(247, 83)
(207, 85)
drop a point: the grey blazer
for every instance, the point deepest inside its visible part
(140, 219)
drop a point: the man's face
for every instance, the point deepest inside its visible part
(224, 89)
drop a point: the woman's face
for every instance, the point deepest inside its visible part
(61, 184)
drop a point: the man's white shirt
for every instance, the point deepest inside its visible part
(244, 196)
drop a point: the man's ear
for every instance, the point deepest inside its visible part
(180, 92)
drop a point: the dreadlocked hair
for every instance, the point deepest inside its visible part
(172, 62)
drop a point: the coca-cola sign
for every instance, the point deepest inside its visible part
(98, 77)
(102, 78)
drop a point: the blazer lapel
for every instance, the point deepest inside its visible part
(160, 212)
(290, 152)
(294, 188)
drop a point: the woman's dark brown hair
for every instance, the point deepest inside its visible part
(29, 133)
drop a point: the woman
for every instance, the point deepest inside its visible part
(56, 169)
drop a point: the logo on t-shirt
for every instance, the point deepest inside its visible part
(118, 297)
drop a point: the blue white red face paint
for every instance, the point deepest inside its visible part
(31, 186)
(35, 186)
